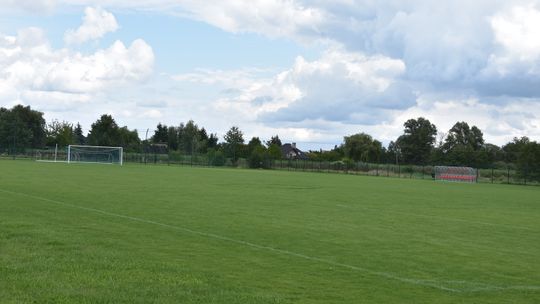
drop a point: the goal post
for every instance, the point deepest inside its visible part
(456, 174)
(95, 154)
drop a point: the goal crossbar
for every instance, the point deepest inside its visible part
(86, 146)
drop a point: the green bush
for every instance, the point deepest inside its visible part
(258, 158)
(216, 158)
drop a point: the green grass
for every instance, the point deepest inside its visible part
(142, 234)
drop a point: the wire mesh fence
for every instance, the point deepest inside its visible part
(499, 173)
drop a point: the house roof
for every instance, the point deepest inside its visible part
(291, 151)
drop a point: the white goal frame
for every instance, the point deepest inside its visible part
(120, 158)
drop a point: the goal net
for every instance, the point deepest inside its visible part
(95, 154)
(456, 174)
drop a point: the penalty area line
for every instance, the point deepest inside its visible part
(433, 284)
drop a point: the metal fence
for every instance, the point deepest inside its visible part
(500, 173)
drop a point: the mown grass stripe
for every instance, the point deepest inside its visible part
(437, 284)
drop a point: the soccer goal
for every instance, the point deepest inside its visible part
(455, 174)
(95, 154)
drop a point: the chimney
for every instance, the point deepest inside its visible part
(293, 145)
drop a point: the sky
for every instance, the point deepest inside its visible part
(308, 71)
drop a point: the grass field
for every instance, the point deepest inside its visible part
(143, 234)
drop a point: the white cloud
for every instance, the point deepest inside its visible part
(316, 103)
(500, 123)
(514, 66)
(450, 44)
(67, 81)
(477, 61)
(518, 31)
(340, 86)
(54, 101)
(454, 45)
(96, 23)
(275, 18)
(31, 64)
(304, 100)
(240, 78)
(33, 6)
(154, 114)
(115, 65)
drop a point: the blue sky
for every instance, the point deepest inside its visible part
(310, 71)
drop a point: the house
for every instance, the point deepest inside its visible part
(290, 151)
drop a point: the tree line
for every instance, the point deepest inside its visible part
(22, 127)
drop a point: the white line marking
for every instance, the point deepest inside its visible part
(435, 217)
(51, 161)
(428, 283)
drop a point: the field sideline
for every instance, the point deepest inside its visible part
(139, 234)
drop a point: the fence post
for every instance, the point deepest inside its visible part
(492, 169)
(526, 172)
(508, 173)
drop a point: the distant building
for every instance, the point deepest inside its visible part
(290, 151)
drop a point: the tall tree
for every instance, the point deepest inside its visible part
(255, 142)
(203, 141)
(362, 147)
(274, 140)
(190, 137)
(21, 127)
(104, 132)
(463, 135)
(462, 145)
(13, 133)
(160, 134)
(393, 153)
(274, 147)
(212, 141)
(129, 139)
(34, 122)
(514, 148)
(202, 134)
(528, 161)
(234, 139)
(274, 151)
(417, 141)
(78, 134)
(172, 138)
(60, 133)
(180, 134)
